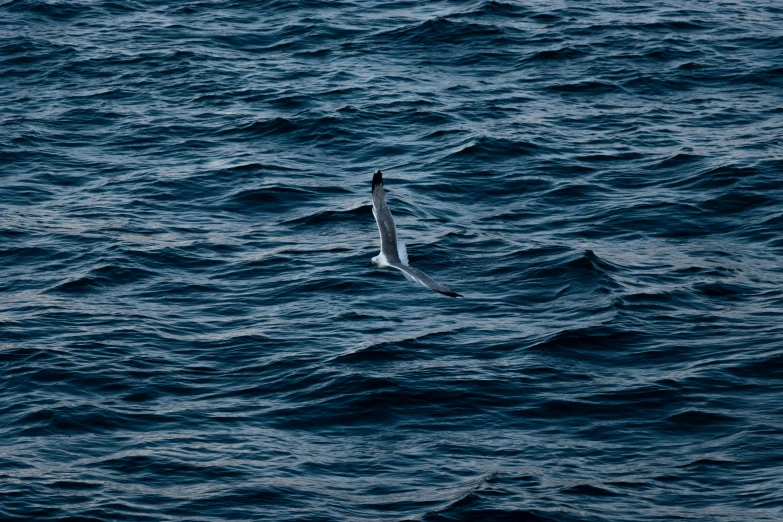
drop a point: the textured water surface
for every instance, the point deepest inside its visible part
(191, 328)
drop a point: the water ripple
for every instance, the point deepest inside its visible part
(191, 328)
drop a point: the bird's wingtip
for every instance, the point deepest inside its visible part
(452, 294)
(377, 179)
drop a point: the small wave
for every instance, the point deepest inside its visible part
(258, 267)
(59, 10)
(690, 420)
(673, 25)
(709, 463)
(274, 198)
(444, 134)
(90, 116)
(651, 85)
(686, 220)
(325, 217)
(80, 419)
(678, 160)
(486, 148)
(23, 254)
(562, 53)
(177, 292)
(289, 5)
(103, 277)
(723, 290)
(273, 127)
(574, 194)
(259, 167)
(74, 485)
(737, 201)
(318, 129)
(545, 18)
(121, 6)
(590, 490)
(497, 8)
(586, 264)
(668, 54)
(22, 53)
(588, 86)
(692, 66)
(162, 468)
(383, 352)
(166, 257)
(407, 348)
(664, 300)
(767, 367)
(581, 342)
(717, 177)
(289, 102)
(443, 31)
(467, 497)
(333, 285)
(621, 156)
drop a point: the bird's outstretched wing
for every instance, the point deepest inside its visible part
(384, 220)
(395, 253)
(416, 275)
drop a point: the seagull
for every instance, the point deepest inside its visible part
(393, 252)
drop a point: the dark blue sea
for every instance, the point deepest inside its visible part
(191, 328)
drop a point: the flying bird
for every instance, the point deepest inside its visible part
(393, 252)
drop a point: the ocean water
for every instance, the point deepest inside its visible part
(191, 328)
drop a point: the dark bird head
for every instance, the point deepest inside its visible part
(377, 179)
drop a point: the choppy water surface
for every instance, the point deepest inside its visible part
(190, 326)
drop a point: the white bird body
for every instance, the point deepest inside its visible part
(394, 253)
(380, 261)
